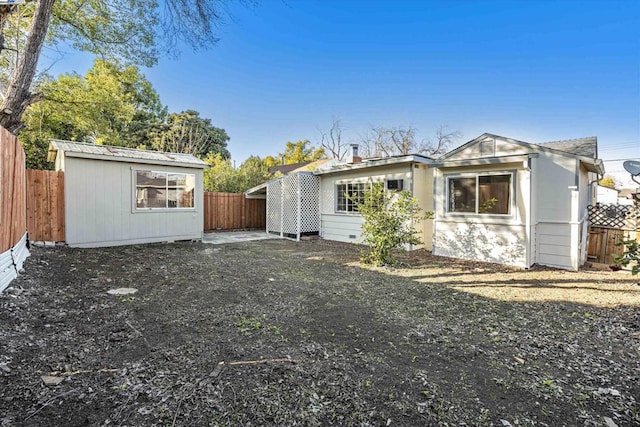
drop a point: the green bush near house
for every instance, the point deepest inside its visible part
(389, 219)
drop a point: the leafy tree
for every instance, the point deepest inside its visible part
(608, 182)
(222, 176)
(187, 132)
(296, 152)
(137, 31)
(112, 104)
(388, 223)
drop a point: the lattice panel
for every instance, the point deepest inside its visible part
(309, 203)
(615, 216)
(290, 204)
(274, 210)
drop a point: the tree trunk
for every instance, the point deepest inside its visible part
(18, 96)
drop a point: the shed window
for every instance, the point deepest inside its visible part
(480, 194)
(348, 195)
(164, 190)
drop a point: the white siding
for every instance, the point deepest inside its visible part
(497, 243)
(490, 147)
(488, 238)
(99, 206)
(556, 177)
(346, 227)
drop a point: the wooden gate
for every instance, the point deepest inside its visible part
(45, 205)
(233, 211)
(610, 225)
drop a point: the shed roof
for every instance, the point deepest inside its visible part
(122, 154)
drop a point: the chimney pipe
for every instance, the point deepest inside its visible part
(354, 158)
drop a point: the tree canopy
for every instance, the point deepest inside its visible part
(296, 152)
(112, 104)
(134, 32)
(187, 132)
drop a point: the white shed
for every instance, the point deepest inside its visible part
(120, 196)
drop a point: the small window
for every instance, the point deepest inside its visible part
(163, 190)
(481, 194)
(395, 184)
(349, 195)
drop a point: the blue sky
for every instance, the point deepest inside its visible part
(531, 70)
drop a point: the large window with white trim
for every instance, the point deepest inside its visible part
(348, 195)
(488, 194)
(164, 190)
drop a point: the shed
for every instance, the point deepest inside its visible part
(120, 196)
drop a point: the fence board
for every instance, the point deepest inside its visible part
(233, 211)
(45, 205)
(603, 243)
(13, 220)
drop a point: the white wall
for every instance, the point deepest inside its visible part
(607, 196)
(558, 229)
(346, 227)
(99, 207)
(489, 238)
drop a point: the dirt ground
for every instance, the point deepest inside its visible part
(281, 333)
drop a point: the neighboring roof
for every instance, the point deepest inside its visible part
(627, 193)
(370, 163)
(582, 147)
(285, 169)
(314, 166)
(122, 154)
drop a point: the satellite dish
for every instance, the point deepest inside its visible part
(633, 167)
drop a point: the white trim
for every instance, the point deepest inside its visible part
(134, 192)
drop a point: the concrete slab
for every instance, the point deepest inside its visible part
(236, 237)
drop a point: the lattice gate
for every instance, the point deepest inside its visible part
(293, 205)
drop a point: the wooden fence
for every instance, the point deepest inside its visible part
(12, 191)
(45, 205)
(13, 218)
(232, 211)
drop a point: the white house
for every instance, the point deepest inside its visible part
(495, 199)
(119, 196)
(606, 195)
(511, 202)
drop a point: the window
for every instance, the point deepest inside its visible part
(349, 194)
(164, 190)
(481, 194)
(395, 184)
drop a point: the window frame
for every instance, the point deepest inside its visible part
(167, 207)
(336, 203)
(477, 175)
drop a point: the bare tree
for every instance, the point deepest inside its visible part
(399, 140)
(184, 137)
(332, 141)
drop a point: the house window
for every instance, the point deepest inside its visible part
(348, 195)
(480, 194)
(164, 190)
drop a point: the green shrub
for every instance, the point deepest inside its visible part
(631, 253)
(388, 223)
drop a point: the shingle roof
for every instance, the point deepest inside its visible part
(121, 153)
(583, 147)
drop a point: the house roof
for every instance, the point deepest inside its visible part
(285, 169)
(582, 147)
(373, 162)
(122, 154)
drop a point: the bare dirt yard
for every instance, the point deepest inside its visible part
(282, 333)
